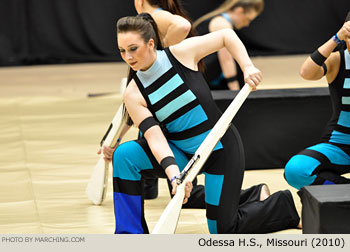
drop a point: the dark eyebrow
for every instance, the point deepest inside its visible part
(128, 46)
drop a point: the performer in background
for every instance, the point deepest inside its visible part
(327, 161)
(222, 72)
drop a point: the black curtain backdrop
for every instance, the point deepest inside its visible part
(66, 31)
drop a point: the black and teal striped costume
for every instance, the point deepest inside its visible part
(326, 162)
(181, 101)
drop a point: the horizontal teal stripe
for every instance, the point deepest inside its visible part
(347, 83)
(188, 120)
(338, 137)
(190, 145)
(344, 119)
(347, 59)
(345, 100)
(165, 89)
(175, 105)
(333, 153)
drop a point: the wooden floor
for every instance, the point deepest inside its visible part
(49, 135)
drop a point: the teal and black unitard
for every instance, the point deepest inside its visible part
(326, 162)
(182, 103)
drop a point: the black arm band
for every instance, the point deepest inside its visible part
(147, 123)
(318, 58)
(324, 66)
(167, 161)
(231, 79)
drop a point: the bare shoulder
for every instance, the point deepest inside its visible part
(193, 49)
(218, 23)
(186, 47)
(132, 94)
(161, 14)
(162, 17)
(166, 18)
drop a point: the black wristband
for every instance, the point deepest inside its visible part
(147, 123)
(318, 58)
(231, 79)
(324, 66)
(167, 161)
